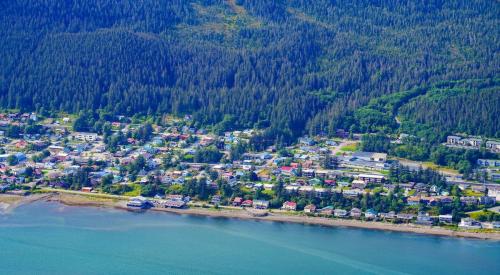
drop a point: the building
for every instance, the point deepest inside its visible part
(487, 200)
(358, 184)
(370, 156)
(341, 213)
(237, 201)
(260, 204)
(468, 223)
(138, 203)
(311, 208)
(469, 200)
(289, 206)
(453, 140)
(488, 162)
(355, 213)
(424, 219)
(84, 136)
(405, 217)
(493, 146)
(87, 189)
(175, 201)
(494, 192)
(370, 214)
(371, 178)
(448, 219)
(475, 142)
(308, 173)
(215, 199)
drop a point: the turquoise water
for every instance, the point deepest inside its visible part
(50, 238)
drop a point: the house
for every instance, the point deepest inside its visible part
(355, 213)
(287, 170)
(237, 201)
(87, 189)
(488, 162)
(424, 219)
(452, 140)
(493, 146)
(215, 199)
(370, 214)
(488, 201)
(308, 173)
(475, 142)
(247, 203)
(260, 204)
(321, 192)
(175, 201)
(341, 213)
(469, 200)
(405, 217)
(139, 203)
(388, 216)
(468, 223)
(448, 219)
(370, 156)
(289, 206)
(327, 211)
(371, 178)
(351, 193)
(494, 193)
(84, 136)
(414, 200)
(358, 184)
(311, 208)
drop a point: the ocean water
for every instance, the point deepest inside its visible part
(50, 238)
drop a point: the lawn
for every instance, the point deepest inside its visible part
(136, 191)
(349, 148)
(471, 193)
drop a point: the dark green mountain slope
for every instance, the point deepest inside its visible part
(289, 66)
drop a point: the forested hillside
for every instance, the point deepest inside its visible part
(291, 67)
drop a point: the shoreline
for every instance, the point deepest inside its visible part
(89, 201)
(9, 203)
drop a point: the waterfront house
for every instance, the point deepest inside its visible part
(260, 204)
(424, 219)
(237, 201)
(327, 211)
(370, 214)
(355, 213)
(468, 223)
(87, 189)
(289, 206)
(139, 203)
(388, 216)
(215, 199)
(247, 203)
(340, 213)
(311, 208)
(175, 201)
(404, 217)
(448, 219)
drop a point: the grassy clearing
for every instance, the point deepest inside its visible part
(349, 148)
(136, 191)
(471, 193)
